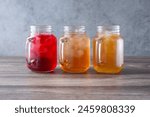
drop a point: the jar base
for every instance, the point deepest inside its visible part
(107, 70)
(74, 70)
(41, 70)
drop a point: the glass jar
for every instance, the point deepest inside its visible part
(41, 49)
(74, 52)
(108, 48)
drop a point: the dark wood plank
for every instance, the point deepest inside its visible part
(17, 82)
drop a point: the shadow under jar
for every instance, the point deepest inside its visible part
(41, 49)
(108, 55)
(74, 51)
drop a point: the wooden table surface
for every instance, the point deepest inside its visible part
(17, 82)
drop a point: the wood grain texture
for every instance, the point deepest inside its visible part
(17, 82)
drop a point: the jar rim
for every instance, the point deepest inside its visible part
(111, 28)
(74, 28)
(40, 28)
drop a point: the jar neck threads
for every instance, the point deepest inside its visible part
(37, 29)
(74, 29)
(115, 29)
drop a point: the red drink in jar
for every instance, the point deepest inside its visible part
(41, 49)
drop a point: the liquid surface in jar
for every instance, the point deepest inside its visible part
(75, 53)
(108, 53)
(42, 52)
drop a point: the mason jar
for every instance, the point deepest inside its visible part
(108, 50)
(41, 49)
(74, 51)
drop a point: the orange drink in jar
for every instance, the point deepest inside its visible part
(108, 50)
(74, 51)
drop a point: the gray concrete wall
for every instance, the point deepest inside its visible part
(17, 15)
